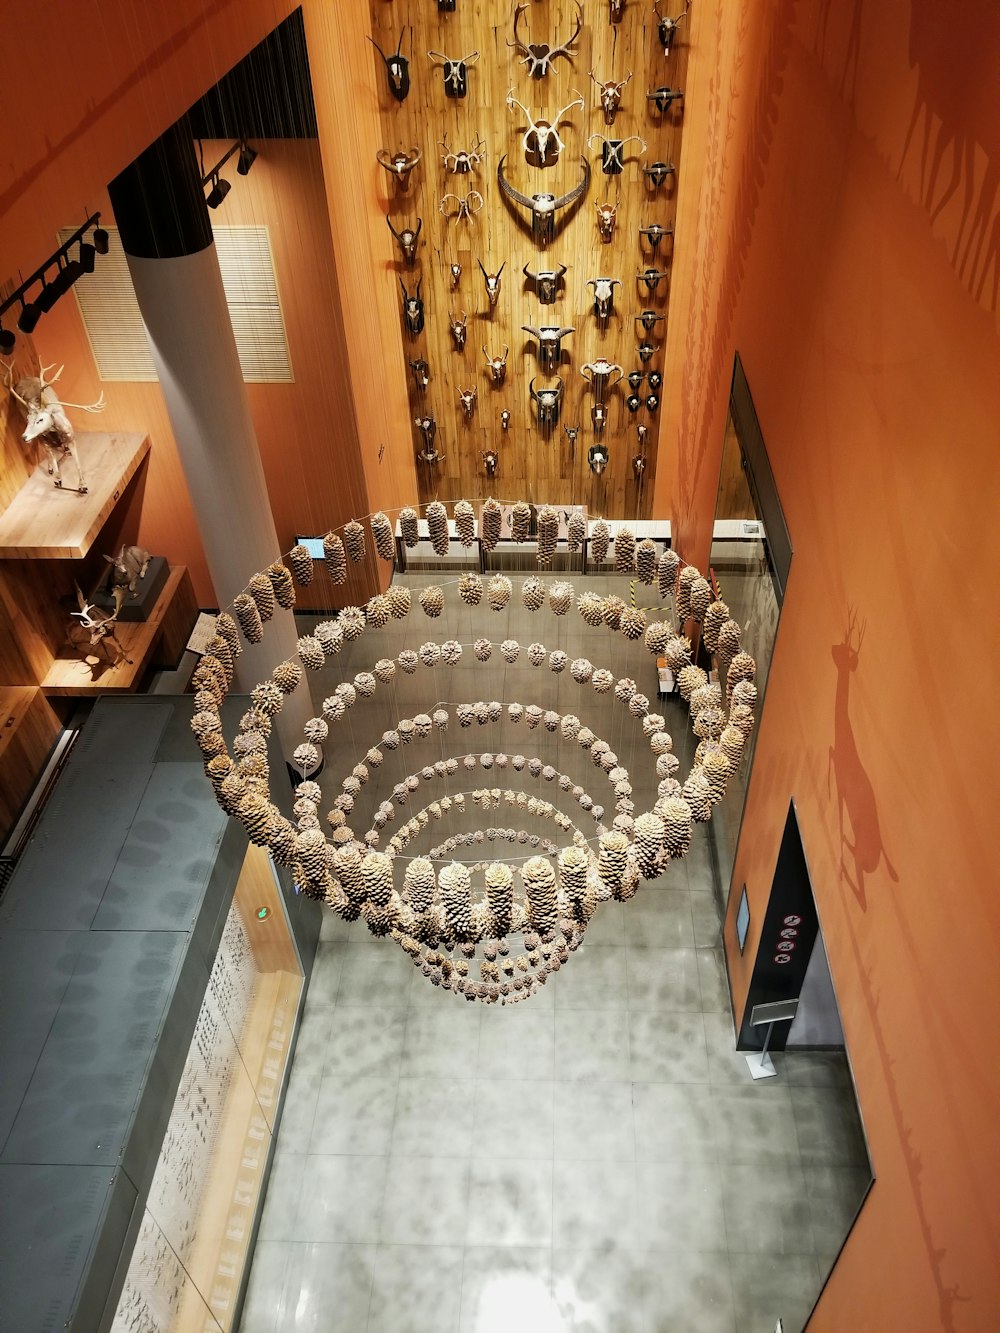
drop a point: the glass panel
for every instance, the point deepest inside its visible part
(741, 566)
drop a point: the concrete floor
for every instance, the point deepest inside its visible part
(594, 1159)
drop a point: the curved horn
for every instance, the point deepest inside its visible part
(578, 190)
(402, 284)
(436, 55)
(388, 222)
(481, 269)
(508, 189)
(470, 59)
(420, 223)
(535, 333)
(501, 268)
(531, 390)
(528, 273)
(379, 49)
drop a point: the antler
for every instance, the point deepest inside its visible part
(99, 406)
(41, 375)
(577, 101)
(8, 381)
(564, 50)
(521, 46)
(512, 102)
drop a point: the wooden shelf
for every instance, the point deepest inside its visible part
(46, 523)
(72, 676)
(28, 730)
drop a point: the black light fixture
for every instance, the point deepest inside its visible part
(58, 284)
(248, 156)
(220, 188)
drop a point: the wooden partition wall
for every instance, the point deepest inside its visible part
(536, 463)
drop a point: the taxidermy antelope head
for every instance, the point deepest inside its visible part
(492, 281)
(421, 374)
(611, 95)
(497, 366)
(607, 216)
(413, 309)
(406, 240)
(397, 69)
(467, 398)
(458, 325)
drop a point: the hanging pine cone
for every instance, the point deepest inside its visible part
(536, 654)
(701, 597)
(334, 558)
(510, 650)
(437, 526)
(731, 742)
(399, 601)
(306, 757)
(729, 639)
(311, 652)
(558, 661)
(465, 522)
(365, 684)
(638, 705)
(716, 768)
(330, 636)
(352, 621)
(548, 534)
(539, 880)
(715, 617)
(612, 612)
(483, 650)
(302, 565)
(581, 670)
(385, 547)
(645, 561)
(624, 690)
(742, 667)
(354, 540)
(743, 692)
(261, 590)
(688, 680)
(409, 526)
(456, 897)
(677, 825)
(648, 843)
(267, 697)
(489, 524)
(316, 730)
(657, 635)
(520, 521)
(576, 530)
(219, 648)
(600, 540)
(533, 594)
(470, 589)
(666, 572)
(498, 592)
(677, 651)
(286, 675)
(633, 622)
(226, 628)
(708, 695)
(602, 680)
(708, 723)
(419, 885)
(591, 608)
(451, 652)
(248, 617)
(698, 795)
(688, 577)
(500, 896)
(282, 585)
(611, 859)
(560, 597)
(625, 551)
(661, 742)
(430, 653)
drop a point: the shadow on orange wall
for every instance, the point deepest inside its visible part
(854, 786)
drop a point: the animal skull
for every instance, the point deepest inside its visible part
(538, 56)
(407, 240)
(611, 95)
(543, 206)
(613, 152)
(599, 418)
(666, 28)
(549, 338)
(541, 136)
(547, 403)
(413, 309)
(455, 271)
(421, 373)
(492, 281)
(546, 283)
(607, 216)
(655, 233)
(658, 172)
(604, 297)
(598, 456)
(505, 419)
(598, 373)
(399, 164)
(458, 325)
(456, 72)
(467, 398)
(490, 460)
(497, 366)
(427, 427)
(461, 163)
(664, 98)
(397, 69)
(572, 432)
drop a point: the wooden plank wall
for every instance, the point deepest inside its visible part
(532, 465)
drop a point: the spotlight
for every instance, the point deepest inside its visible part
(100, 241)
(7, 341)
(88, 256)
(248, 156)
(67, 275)
(597, 458)
(47, 297)
(220, 188)
(28, 317)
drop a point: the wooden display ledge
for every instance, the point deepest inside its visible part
(28, 731)
(171, 619)
(46, 523)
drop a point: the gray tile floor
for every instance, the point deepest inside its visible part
(596, 1159)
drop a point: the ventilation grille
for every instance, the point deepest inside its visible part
(116, 332)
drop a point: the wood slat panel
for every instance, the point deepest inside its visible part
(539, 467)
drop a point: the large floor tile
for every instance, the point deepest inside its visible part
(679, 1205)
(767, 1209)
(442, 1041)
(663, 979)
(265, 1292)
(754, 1125)
(417, 1289)
(660, 919)
(766, 1288)
(281, 1204)
(599, 1292)
(673, 1122)
(426, 1201)
(341, 1199)
(328, 967)
(514, 1118)
(505, 1288)
(594, 978)
(713, 980)
(835, 1194)
(434, 1118)
(707, 920)
(816, 1069)
(299, 1109)
(363, 1041)
(667, 1048)
(592, 1045)
(510, 1202)
(374, 974)
(327, 1288)
(515, 1041)
(594, 1205)
(828, 1128)
(354, 1115)
(594, 1122)
(607, 926)
(726, 1065)
(689, 1291)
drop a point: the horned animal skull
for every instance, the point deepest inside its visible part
(611, 95)
(607, 216)
(547, 403)
(458, 326)
(604, 297)
(413, 309)
(492, 281)
(406, 239)
(397, 69)
(497, 366)
(546, 283)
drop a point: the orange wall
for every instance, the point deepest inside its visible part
(843, 239)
